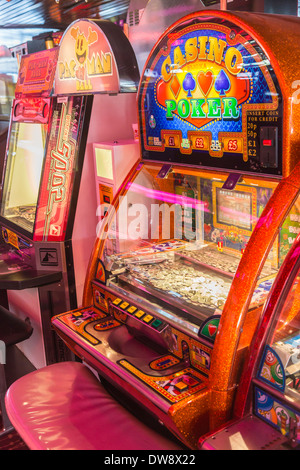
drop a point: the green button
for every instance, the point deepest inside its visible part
(157, 323)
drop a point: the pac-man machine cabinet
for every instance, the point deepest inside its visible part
(64, 101)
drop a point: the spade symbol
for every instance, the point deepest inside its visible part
(222, 83)
(189, 84)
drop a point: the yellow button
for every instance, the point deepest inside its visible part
(147, 318)
(181, 386)
(77, 314)
(117, 301)
(139, 313)
(131, 309)
(124, 305)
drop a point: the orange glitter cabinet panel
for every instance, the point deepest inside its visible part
(76, 320)
(174, 387)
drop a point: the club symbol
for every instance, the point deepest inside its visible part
(222, 83)
(189, 84)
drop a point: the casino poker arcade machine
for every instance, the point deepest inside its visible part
(189, 252)
(48, 207)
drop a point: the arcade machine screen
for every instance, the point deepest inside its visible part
(235, 208)
(23, 173)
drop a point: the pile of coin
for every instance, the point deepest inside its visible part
(196, 286)
(212, 257)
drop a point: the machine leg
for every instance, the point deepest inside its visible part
(6, 424)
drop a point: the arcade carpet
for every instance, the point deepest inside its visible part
(11, 441)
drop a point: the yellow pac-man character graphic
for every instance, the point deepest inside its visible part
(82, 43)
(85, 61)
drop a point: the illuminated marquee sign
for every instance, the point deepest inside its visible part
(86, 62)
(211, 93)
(208, 90)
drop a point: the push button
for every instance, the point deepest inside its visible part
(148, 319)
(77, 314)
(131, 309)
(157, 324)
(181, 386)
(124, 305)
(139, 314)
(117, 301)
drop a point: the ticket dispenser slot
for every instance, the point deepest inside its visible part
(269, 147)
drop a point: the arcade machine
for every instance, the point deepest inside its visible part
(48, 207)
(38, 43)
(187, 256)
(267, 407)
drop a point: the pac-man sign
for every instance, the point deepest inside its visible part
(86, 63)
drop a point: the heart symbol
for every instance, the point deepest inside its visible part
(212, 329)
(205, 81)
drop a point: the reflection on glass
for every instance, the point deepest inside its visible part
(179, 239)
(286, 340)
(7, 92)
(23, 173)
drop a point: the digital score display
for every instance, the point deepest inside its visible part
(209, 97)
(234, 208)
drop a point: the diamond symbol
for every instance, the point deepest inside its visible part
(175, 86)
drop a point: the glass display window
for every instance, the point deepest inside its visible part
(180, 238)
(281, 362)
(23, 173)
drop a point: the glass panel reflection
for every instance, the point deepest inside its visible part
(23, 173)
(180, 238)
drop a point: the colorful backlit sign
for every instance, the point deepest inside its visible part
(86, 63)
(207, 91)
